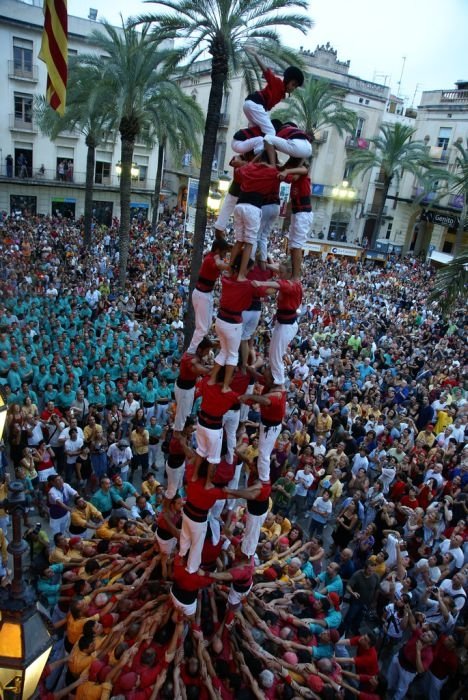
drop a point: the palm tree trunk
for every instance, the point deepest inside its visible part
(88, 206)
(380, 215)
(157, 187)
(460, 232)
(128, 143)
(219, 72)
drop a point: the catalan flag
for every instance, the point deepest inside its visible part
(54, 52)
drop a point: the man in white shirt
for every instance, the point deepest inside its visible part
(304, 480)
(453, 546)
(65, 434)
(321, 512)
(92, 297)
(360, 461)
(128, 407)
(319, 447)
(120, 457)
(61, 501)
(436, 475)
(454, 587)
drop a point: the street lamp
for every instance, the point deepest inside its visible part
(25, 642)
(344, 192)
(213, 202)
(223, 183)
(134, 171)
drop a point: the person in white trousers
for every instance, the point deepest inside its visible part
(191, 367)
(179, 451)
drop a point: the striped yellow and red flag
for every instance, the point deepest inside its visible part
(54, 52)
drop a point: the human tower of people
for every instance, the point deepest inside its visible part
(208, 590)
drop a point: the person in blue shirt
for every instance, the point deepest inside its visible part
(120, 491)
(329, 581)
(14, 378)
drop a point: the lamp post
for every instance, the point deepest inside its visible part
(134, 171)
(25, 642)
(342, 194)
(213, 202)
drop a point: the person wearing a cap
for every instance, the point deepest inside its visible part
(119, 455)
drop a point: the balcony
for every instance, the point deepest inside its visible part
(27, 74)
(224, 120)
(20, 124)
(372, 211)
(75, 180)
(423, 197)
(356, 142)
(440, 155)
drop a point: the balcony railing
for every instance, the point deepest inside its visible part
(20, 124)
(26, 73)
(455, 96)
(373, 210)
(49, 176)
(439, 154)
(357, 142)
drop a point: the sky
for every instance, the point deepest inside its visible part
(421, 42)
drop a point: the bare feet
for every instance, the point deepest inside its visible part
(225, 390)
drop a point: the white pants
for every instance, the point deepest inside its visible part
(213, 518)
(256, 114)
(161, 413)
(154, 452)
(175, 478)
(270, 213)
(247, 219)
(268, 435)
(301, 223)
(192, 537)
(184, 403)
(296, 148)
(149, 412)
(244, 412)
(231, 421)
(433, 686)
(235, 598)
(282, 335)
(209, 443)
(229, 336)
(203, 307)
(59, 524)
(398, 679)
(253, 525)
(233, 484)
(250, 321)
(166, 546)
(254, 144)
(188, 610)
(226, 212)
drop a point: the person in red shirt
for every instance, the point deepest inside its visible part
(272, 411)
(366, 660)
(232, 195)
(179, 450)
(301, 216)
(241, 577)
(258, 180)
(257, 495)
(289, 300)
(414, 657)
(191, 367)
(200, 498)
(231, 418)
(444, 665)
(251, 316)
(184, 590)
(259, 103)
(168, 529)
(202, 296)
(248, 140)
(236, 296)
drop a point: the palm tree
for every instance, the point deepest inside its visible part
(224, 29)
(317, 105)
(180, 122)
(458, 185)
(394, 154)
(451, 283)
(89, 111)
(135, 74)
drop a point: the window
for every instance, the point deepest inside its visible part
(359, 127)
(102, 173)
(72, 52)
(347, 171)
(23, 109)
(445, 133)
(389, 230)
(22, 57)
(64, 169)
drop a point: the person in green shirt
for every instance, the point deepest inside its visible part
(120, 491)
(283, 490)
(102, 498)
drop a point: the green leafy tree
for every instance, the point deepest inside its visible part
(318, 105)
(458, 185)
(89, 111)
(394, 153)
(451, 284)
(135, 72)
(224, 29)
(179, 124)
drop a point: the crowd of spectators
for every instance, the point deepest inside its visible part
(360, 574)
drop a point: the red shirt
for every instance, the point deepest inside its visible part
(189, 582)
(258, 178)
(200, 497)
(445, 661)
(366, 660)
(409, 651)
(187, 371)
(289, 300)
(236, 297)
(273, 92)
(301, 194)
(224, 472)
(209, 273)
(292, 132)
(214, 402)
(256, 273)
(249, 133)
(275, 412)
